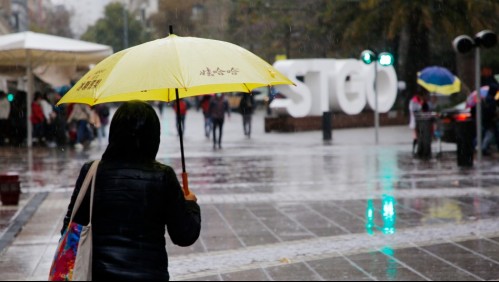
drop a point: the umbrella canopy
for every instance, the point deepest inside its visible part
(29, 50)
(172, 68)
(155, 70)
(439, 80)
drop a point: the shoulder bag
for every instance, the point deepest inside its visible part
(73, 256)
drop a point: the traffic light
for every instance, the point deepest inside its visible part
(368, 57)
(10, 97)
(385, 59)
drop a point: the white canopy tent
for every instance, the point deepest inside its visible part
(32, 51)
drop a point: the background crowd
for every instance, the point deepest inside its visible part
(81, 126)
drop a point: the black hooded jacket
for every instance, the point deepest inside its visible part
(133, 203)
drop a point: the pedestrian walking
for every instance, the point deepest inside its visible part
(246, 108)
(38, 119)
(135, 198)
(416, 105)
(205, 107)
(103, 112)
(218, 108)
(48, 124)
(180, 116)
(489, 112)
(81, 114)
(4, 117)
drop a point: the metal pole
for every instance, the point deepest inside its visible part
(478, 106)
(376, 111)
(29, 99)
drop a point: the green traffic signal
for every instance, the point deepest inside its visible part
(386, 59)
(10, 97)
(368, 56)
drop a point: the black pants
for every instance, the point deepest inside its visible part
(247, 124)
(217, 123)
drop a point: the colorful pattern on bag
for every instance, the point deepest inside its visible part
(65, 256)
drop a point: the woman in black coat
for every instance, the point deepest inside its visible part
(135, 198)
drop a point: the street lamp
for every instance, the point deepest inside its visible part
(464, 44)
(385, 59)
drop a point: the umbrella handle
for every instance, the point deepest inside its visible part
(185, 182)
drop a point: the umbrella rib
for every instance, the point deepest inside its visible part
(247, 88)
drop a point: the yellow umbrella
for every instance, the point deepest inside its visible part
(172, 68)
(154, 70)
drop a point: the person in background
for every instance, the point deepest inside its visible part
(180, 120)
(205, 107)
(38, 119)
(4, 117)
(246, 108)
(50, 116)
(489, 112)
(417, 104)
(137, 199)
(103, 112)
(81, 114)
(17, 119)
(218, 107)
(60, 123)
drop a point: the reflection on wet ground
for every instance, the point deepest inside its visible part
(287, 207)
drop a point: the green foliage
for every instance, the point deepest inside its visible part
(110, 29)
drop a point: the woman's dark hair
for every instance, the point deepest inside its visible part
(134, 134)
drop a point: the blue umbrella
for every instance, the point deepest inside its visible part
(439, 80)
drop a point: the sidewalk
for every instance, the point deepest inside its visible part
(288, 207)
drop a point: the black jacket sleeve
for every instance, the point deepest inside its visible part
(183, 217)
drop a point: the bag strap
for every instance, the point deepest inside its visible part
(83, 190)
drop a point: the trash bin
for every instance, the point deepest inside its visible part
(424, 125)
(465, 133)
(10, 188)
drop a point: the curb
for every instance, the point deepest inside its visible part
(17, 224)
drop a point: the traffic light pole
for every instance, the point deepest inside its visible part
(376, 111)
(478, 107)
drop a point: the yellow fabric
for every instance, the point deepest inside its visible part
(152, 71)
(444, 90)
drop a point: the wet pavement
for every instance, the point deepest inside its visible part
(288, 207)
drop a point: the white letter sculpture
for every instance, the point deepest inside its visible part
(333, 85)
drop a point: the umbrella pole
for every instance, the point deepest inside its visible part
(185, 179)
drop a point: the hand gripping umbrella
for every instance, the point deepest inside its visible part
(173, 68)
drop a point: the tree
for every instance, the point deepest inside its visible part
(177, 14)
(110, 29)
(419, 33)
(269, 28)
(56, 22)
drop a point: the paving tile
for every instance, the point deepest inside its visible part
(280, 225)
(384, 268)
(349, 222)
(336, 269)
(292, 272)
(466, 260)
(430, 266)
(205, 278)
(315, 223)
(246, 275)
(484, 247)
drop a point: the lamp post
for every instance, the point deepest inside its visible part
(464, 44)
(384, 59)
